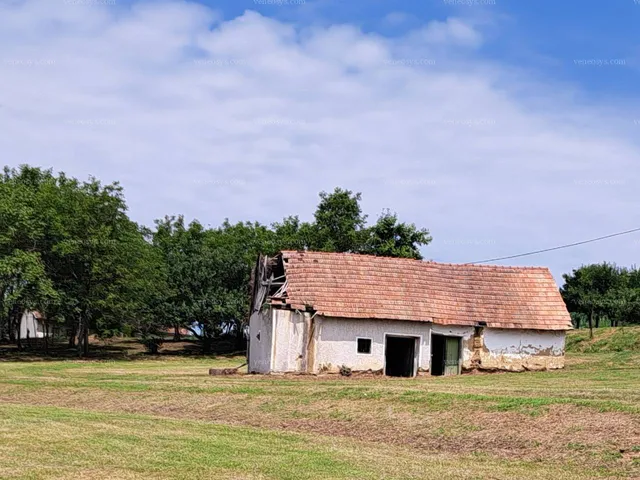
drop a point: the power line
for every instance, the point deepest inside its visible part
(557, 248)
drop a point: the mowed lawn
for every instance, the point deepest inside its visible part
(162, 418)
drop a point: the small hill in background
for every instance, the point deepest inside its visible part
(611, 339)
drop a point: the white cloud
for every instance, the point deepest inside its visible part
(452, 31)
(250, 118)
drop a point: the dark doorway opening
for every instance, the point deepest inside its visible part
(445, 355)
(437, 355)
(400, 356)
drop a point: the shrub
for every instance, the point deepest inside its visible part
(345, 371)
(127, 330)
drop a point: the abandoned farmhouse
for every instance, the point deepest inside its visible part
(314, 312)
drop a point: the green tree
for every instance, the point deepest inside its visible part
(84, 252)
(292, 234)
(144, 292)
(23, 286)
(95, 258)
(390, 238)
(602, 291)
(245, 241)
(207, 278)
(339, 223)
(340, 226)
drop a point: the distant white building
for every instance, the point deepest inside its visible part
(314, 312)
(32, 325)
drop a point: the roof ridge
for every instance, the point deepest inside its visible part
(414, 260)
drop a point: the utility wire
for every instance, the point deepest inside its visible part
(556, 248)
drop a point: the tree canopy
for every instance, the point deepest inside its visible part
(340, 226)
(603, 293)
(69, 250)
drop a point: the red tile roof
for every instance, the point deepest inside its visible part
(364, 286)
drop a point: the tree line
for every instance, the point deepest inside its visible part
(602, 295)
(69, 250)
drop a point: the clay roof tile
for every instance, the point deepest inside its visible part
(365, 286)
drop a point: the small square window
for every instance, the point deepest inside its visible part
(364, 345)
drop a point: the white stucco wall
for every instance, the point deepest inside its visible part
(32, 324)
(337, 342)
(260, 348)
(289, 341)
(519, 349)
(284, 344)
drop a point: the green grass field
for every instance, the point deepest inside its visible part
(167, 418)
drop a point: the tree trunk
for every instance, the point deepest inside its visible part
(72, 336)
(83, 337)
(80, 337)
(16, 320)
(176, 333)
(207, 343)
(591, 324)
(12, 328)
(85, 350)
(597, 321)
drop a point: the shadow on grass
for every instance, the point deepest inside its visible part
(114, 349)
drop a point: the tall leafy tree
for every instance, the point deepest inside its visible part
(80, 253)
(245, 241)
(339, 222)
(208, 272)
(91, 261)
(145, 290)
(24, 283)
(390, 238)
(340, 226)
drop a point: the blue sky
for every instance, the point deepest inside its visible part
(546, 36)
(503, 128)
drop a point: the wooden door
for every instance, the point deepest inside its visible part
(452, 356)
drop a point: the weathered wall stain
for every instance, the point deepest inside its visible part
(518, 350)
